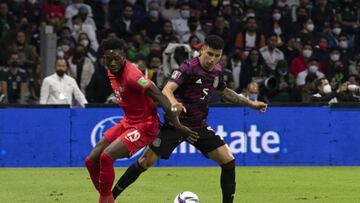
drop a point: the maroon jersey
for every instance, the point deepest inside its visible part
(196, 87)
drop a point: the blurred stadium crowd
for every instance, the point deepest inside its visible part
(276, 50)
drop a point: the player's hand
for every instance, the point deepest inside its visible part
(177, 108)
(191, 136)
(261, 106)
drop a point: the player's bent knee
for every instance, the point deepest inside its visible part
(229, 165)
(145, 163)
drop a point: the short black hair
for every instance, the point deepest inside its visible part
(214, 42)
(113, 43)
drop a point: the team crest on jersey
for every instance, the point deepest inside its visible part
(143, 82)
(176, 74)
(216, 82)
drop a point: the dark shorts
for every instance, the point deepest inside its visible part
(169, 138)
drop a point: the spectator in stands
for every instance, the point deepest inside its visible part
(194, 30)
(85, 42)
(125, 26)
(152, 24)
(180, 25)
(346, 48)
(78, 27)
(80, 67)
(300, 63)
(252, 69)
(167, 35)
(322, 50)
(99, 88)
(312, 67)
(307, 32)
(271, 54)
(334, 35)
(325, 92)
(138, 46)
(235, 65)
(227, 74)
(224, 32)
(309, 88)
(277, 25)
(250, 38)
(170, 11)
(14, 82)
(27, 53)
(59, 88)
(7, 21)
(251, 92)
(78, 7)
(291, 49)
(322, 13)
(347, 15)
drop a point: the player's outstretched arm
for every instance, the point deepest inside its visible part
(230, 96)
(164, 102)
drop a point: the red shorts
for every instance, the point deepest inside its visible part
(134, 136)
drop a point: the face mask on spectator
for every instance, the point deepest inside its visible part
(307, 53)
(334, 57)
(313, 68)
(343, 44)
(76, 27)
(327, 89)
(185, 13)
(84, 42)
(154, 13)
(276, 16)
(65, 47)
(132, 2)
(253, 97)
(60, 54)
(250, 15)
(310, 27)
(281, 4)
(337, 31)
(60, 73)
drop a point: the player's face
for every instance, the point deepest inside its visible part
(209, 57)
(114, 60)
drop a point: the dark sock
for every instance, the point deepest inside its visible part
(228, 183)
(130, 175)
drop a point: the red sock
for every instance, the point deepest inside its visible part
(107, 174)
(94, 171)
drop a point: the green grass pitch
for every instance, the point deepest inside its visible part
(160, 185)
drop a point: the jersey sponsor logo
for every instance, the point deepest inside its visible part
(99, 129)
(216, 82)
(133, 136)
(198, 81)
(176, 74)
(143, 82)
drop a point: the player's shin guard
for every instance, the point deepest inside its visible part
(94, 171)
(130, 175)
(228, 183)
(107, 174)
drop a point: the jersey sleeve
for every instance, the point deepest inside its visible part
(138, 81)
(180, 75)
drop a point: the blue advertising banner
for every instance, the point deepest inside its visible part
(283, 136)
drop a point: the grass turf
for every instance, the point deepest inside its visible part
(160, 185)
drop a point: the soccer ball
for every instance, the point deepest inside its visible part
(186, 197)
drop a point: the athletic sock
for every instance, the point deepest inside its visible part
(228, 183)
(130, 175)
(94, 171)
(107, 174)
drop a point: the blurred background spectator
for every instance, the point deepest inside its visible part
(283, 46)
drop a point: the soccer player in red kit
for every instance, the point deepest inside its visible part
(138, 128)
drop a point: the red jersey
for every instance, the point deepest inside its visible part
(129, 87)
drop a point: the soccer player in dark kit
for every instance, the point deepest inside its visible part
(189, 90)
(138, 128)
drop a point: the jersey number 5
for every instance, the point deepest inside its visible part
(206, 92)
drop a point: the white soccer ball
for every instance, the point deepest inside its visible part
(186, 197)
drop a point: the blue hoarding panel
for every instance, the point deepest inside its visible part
(281, 136)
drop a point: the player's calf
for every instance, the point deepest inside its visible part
(228, 183)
